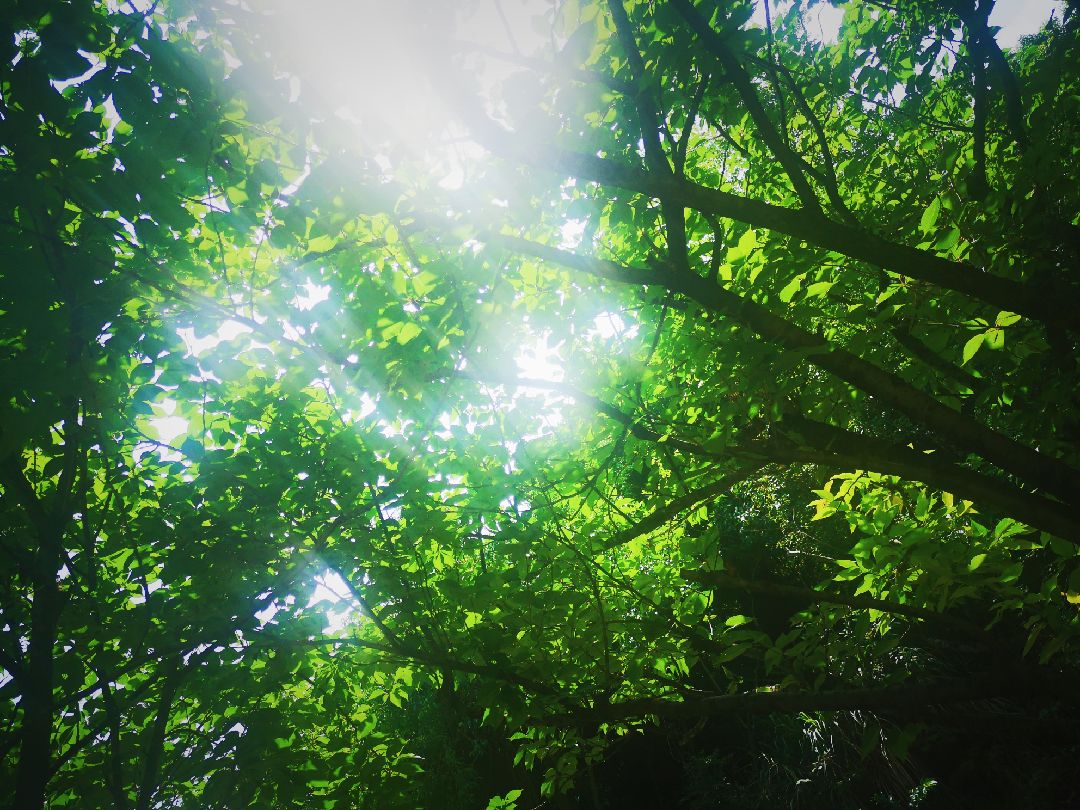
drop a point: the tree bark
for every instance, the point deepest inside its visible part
(1050, 307)
(904, 699)
(35, 732)
(721, 580)
(1037, 470)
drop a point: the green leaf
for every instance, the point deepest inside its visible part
(409, 330)
(972, 346)
(930, 216)
(791, 288)
(949, 240)
(192, 449)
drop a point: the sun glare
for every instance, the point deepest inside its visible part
(333, 598)
(541, 361)
(198, 345)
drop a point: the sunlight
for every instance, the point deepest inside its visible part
(359, 414)
(169, 427)
(571, 232)
(332, 596)
(541, 361)
(164, 430)
(609, 325)
(197, 345)
(313, 295)
(381, 42)
(405, 51)
(1016, 18)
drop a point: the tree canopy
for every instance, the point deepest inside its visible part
(598, 404)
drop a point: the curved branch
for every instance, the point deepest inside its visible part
(722, 580)
(905, 698)
(1051, 307)
(734, 71)
(647, 107)
(1037, 469)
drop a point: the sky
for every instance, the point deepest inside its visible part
(1019, 18)
(1016, 18)
(505, 25)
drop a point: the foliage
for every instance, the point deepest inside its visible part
(793, 521)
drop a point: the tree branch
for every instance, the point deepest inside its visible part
(1053, 475)
(721, 580)
(738, 76)
(905, 698)
(647, 107)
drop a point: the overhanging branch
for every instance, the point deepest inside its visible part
(1036, 469)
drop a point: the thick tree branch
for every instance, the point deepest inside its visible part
(820, 443)
(1051, 307)
(1036, 469)
(37, 684)
(984, 49)
(153, 748)
(115, 778)
(648, 112)
(721, 580)
(665, 514)
(921, 351)
(738, 76)
(902, 699)
(431, 659)
(855, 243)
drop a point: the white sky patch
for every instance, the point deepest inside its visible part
(822, 21)
(96, 64)
(608, 325)
(1021, 18)
(129, 6)
(447, 421)
(1016, 18)
(152, 586)
(165, 429)
(168, 428)
(570, 233)
(453, 179)
(541, 361)
(267, 614)
(112, 117)
(216, 202)
(197, 345)
(313, 295)
(367, 406)
(294, 186)
(333, 594)
(512, 504)
(292, 332)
